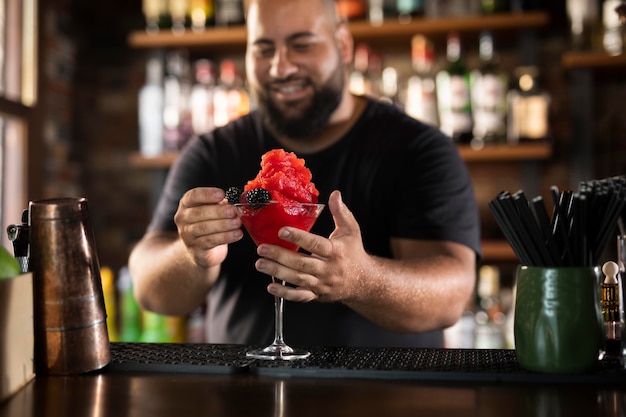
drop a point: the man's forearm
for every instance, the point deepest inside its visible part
(165, 278)
(413, 295)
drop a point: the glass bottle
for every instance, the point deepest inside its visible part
(453, 94)
(150, 109)
(489, 86)
(359, 81)
(495, 6)
(201, 14)
(179, 12)
(409, 9)
(156, 14)
(176, 112)
(230, 99)
(528, 108)
(229, 12)
(421, 94)
(201, 99)
(351, 9)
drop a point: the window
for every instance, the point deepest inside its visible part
(18, 96)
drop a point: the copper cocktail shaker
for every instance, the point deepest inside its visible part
(69, 313)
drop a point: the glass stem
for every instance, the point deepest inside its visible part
(278, 318)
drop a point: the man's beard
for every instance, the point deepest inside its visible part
(315, 116)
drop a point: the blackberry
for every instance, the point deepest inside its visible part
(233, 194)
(257, 197)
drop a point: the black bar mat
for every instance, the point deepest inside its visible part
(460, 365)
(178, 357)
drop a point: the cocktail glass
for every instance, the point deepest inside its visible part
(262, 221)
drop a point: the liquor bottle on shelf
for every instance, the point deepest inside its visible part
(176, 112)
(229, 12)
(495, 6)
(453, 94)
(613, 31)
(201, 14)
(584, 19)
(409, 9)
(359, 81)
(150, 108)
(201, 99)
(447, 8)
(389, 87)
(230, 99)
(351, 9)
(179, 10)
(156, 14)
(380, 10)
(528, 108)
(488, 85)
(421, 94)
(130, 312)
(490, 319)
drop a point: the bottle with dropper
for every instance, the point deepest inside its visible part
(611, 310)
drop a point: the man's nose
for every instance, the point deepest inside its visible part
(282, 64)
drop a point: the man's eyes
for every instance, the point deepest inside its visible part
(269, 51)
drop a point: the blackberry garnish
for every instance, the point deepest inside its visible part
(233, 194)
(257, 197)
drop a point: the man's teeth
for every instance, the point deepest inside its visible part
(290, 89)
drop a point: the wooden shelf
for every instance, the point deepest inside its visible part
(599, 60)
(497, 251)
(234, 38)
(506, 153)
(491, 153)
(136, 160)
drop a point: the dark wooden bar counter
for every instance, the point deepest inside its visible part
(227, 387)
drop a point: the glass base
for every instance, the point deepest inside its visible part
(278, 352)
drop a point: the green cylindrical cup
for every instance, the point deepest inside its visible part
(558, 321)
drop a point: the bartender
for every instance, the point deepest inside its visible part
(391, 260)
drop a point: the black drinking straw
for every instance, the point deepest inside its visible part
(575, 234)
(541, 214)
(530, 226)
(509, 231)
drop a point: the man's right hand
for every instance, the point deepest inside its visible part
(206, 224)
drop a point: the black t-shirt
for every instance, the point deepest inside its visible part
(400, 178)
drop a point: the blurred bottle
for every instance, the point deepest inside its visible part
(453, 94)
(130, 312)
(380, 10)
(201, 100)
(389, 87)
(489, 85)
(154, 328)
(176, 111)
(156, 14)
(229, 12)
(179, 11)
(150, 108)
(195, 325)
(110, 302)
(230, 99)
(613, 30)
(490, 319)
(421, 94)
(201, 14)
(528, 108)
(584, 19)
(409, 9)
(351, 9)
(360, 82)
(452, 8)
(495, 6)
